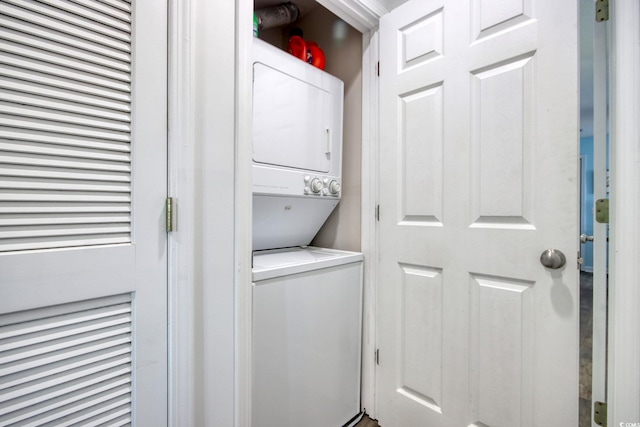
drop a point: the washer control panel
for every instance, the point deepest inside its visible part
(321, 186)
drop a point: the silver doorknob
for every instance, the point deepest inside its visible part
(584, 238)
(553, 258)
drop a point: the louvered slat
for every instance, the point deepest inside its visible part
(61, 105)
(94, 11)
(118, 10)
(60, 128)
(71, 366)
(98, 24)
(56, 208)
(122, 5)
(58, 151)
(48, 138)
(24, 48)
(44, 22)
(65, 116)
(61, 162)
(53, 80)
(61, 38)
(61, 50)
(56, 115)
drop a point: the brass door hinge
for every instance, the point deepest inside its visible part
(600, 413)
(602, 10)
(169, 210)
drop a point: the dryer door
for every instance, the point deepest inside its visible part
(291, 121)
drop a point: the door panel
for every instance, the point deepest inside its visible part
(82, 188)
(478, 177)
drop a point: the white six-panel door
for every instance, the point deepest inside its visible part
(83, 262)
(478, 176)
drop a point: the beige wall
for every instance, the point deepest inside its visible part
(342, 45)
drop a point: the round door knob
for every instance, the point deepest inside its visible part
(553, 258)
(584, 238)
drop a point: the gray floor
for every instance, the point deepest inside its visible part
(586, 343)
(367, 422)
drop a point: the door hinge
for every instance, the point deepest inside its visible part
(378, 213)
(378, 356)
(600, 413)
(602, 10)
(580, 260)
(378, 68)
(602, 211)
(169, 210)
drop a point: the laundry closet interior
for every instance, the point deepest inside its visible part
(307, 269)
(342, 46)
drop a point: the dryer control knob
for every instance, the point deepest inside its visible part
(334, 187)
(316, 185)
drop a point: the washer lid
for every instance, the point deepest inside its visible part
(284, 262)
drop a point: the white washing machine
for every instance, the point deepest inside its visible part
(306, 338)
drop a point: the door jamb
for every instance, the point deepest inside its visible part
(369, 226)
(364, 16)
(599, 245)
(624, 294)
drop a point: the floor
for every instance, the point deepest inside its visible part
(586, 342)
(367, 422)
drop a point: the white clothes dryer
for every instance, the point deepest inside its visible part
(297, 148)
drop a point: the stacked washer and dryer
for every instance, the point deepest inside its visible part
(307, 301)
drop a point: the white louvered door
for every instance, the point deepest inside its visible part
(83, 263)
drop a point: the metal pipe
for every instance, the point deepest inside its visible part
(277, 15)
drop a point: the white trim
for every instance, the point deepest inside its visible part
(180, 293)
(243, 209)
(361, 15)
(369, 199)
(624, 293)
(202, 270)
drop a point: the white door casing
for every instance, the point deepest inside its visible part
(83, 206)
(600, 230)
(478, 176)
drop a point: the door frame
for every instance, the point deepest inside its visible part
(364, 16)
(623, 393)
(203, 266)
(210, 352)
